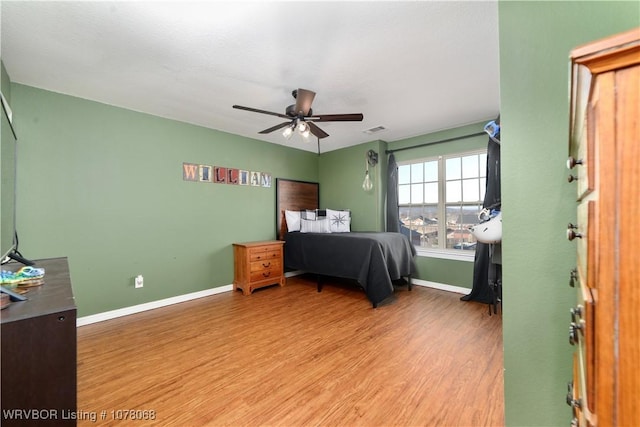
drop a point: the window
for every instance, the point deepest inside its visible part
(439, 199)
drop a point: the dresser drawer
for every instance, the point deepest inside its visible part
(585, 248)
(583, 329)
(587, 352)
(582, 139)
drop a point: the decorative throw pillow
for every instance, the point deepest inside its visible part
(293, 220)
(308, 215)
(319, 226)
(339, 221)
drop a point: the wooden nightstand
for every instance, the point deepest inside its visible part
(257, 264)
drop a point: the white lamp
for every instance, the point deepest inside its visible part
(367, 185)
(371, 158)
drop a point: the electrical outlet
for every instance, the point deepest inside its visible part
(138, 281)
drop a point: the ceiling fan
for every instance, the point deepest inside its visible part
(300, 116)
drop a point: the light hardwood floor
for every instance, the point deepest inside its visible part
(293, 357)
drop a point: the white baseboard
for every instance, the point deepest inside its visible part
(293, 273)
(441, 286)
(108, 315)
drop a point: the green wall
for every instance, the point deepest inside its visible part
(341, 177)
(445, 271)
(535, 41)
(103, 186)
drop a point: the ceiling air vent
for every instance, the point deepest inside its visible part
(375, 130)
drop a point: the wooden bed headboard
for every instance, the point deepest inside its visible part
(294, 196)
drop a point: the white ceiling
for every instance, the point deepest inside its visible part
(414, 67)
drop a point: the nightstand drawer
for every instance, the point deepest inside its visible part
(258, 255)
(267, 264)
(257, 276)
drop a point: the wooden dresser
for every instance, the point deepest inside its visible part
(258, 264)
(39, 352)
(604, 163)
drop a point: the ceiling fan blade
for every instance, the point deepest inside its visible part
(255, 110)
(314, 129)
(276, 127)
(335, 118)
(304, 98)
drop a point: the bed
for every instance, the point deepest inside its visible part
(375, 260)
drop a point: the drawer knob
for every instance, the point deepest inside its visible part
(573, 276)
(574, 403)
(572, 178)
(572, 162)
(267, 265)
(266, 274)
(574, 328)
(571, 233)
(576, 313)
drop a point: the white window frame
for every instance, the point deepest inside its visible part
(444, 253)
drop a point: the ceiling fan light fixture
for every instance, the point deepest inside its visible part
(303, 127)
(305, 133)
(287, 132)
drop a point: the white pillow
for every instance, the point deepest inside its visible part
(293, 220)
(319, 226)
(339, 221)
(309, 214)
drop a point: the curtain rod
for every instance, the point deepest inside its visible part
(435, 142)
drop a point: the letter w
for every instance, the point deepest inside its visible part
(189, 171)
(14, 414)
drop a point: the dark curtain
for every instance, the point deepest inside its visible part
(393, 216)
(487, 266)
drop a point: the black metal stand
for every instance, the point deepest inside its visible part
(496, 288)
(17, 256)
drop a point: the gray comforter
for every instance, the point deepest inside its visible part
(375, 260)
